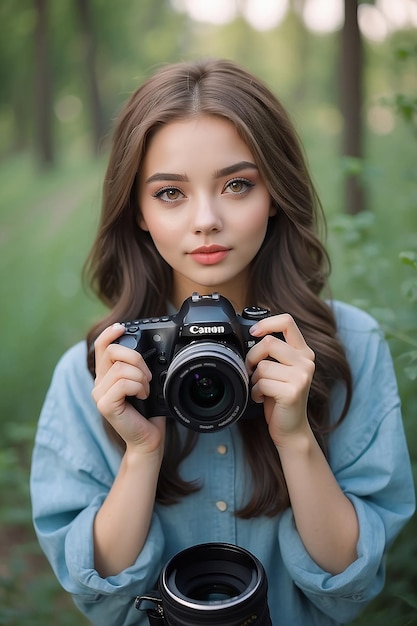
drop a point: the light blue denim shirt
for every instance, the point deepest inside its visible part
(74, 465)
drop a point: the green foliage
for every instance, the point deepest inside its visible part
(45, 237)
(131, 39)
(409, 291)
(30, 596)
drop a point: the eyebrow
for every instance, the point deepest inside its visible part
(233, 169)
(161, 176)
(225, 171)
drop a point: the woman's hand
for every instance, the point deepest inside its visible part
(121, 372)
(122, 523)
(282, 372)
(325, 518)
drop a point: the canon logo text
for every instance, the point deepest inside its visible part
(207, 330)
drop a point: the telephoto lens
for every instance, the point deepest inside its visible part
(213, 583)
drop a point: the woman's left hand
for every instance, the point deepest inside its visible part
(282, 372)
(325, 518)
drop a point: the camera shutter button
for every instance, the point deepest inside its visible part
(129, 341)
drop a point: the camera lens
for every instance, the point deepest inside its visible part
(214, 583)
(206, 389)
(205, 395)
(206, 386)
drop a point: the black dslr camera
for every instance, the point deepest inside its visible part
(212, 583)
(197, 362)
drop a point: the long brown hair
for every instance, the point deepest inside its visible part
(288, 274)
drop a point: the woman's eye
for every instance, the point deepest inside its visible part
(169, 194)
(238, 186)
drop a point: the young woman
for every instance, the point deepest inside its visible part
(207, 191)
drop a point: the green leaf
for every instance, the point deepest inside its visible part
(410, 369)
(409, 258)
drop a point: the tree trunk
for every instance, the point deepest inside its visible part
(351, 104)
(85, 17)
(43, 87)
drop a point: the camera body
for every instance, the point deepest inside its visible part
(196, 358)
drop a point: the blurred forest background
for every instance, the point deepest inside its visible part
(347, 72)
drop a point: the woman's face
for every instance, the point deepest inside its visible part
(205, 205)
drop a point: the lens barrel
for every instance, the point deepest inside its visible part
(207, 386)
(214, 583)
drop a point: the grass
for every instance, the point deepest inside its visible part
(47, 225)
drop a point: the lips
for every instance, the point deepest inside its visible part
(209, 255)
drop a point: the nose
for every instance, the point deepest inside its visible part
(206, 216)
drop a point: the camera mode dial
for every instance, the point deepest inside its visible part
(255, 313)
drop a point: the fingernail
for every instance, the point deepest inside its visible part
(254, 329)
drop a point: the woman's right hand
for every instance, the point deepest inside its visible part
(121, 372)
(122, 523)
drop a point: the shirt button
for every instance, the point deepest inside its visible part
(222, 449)
(221, 505)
